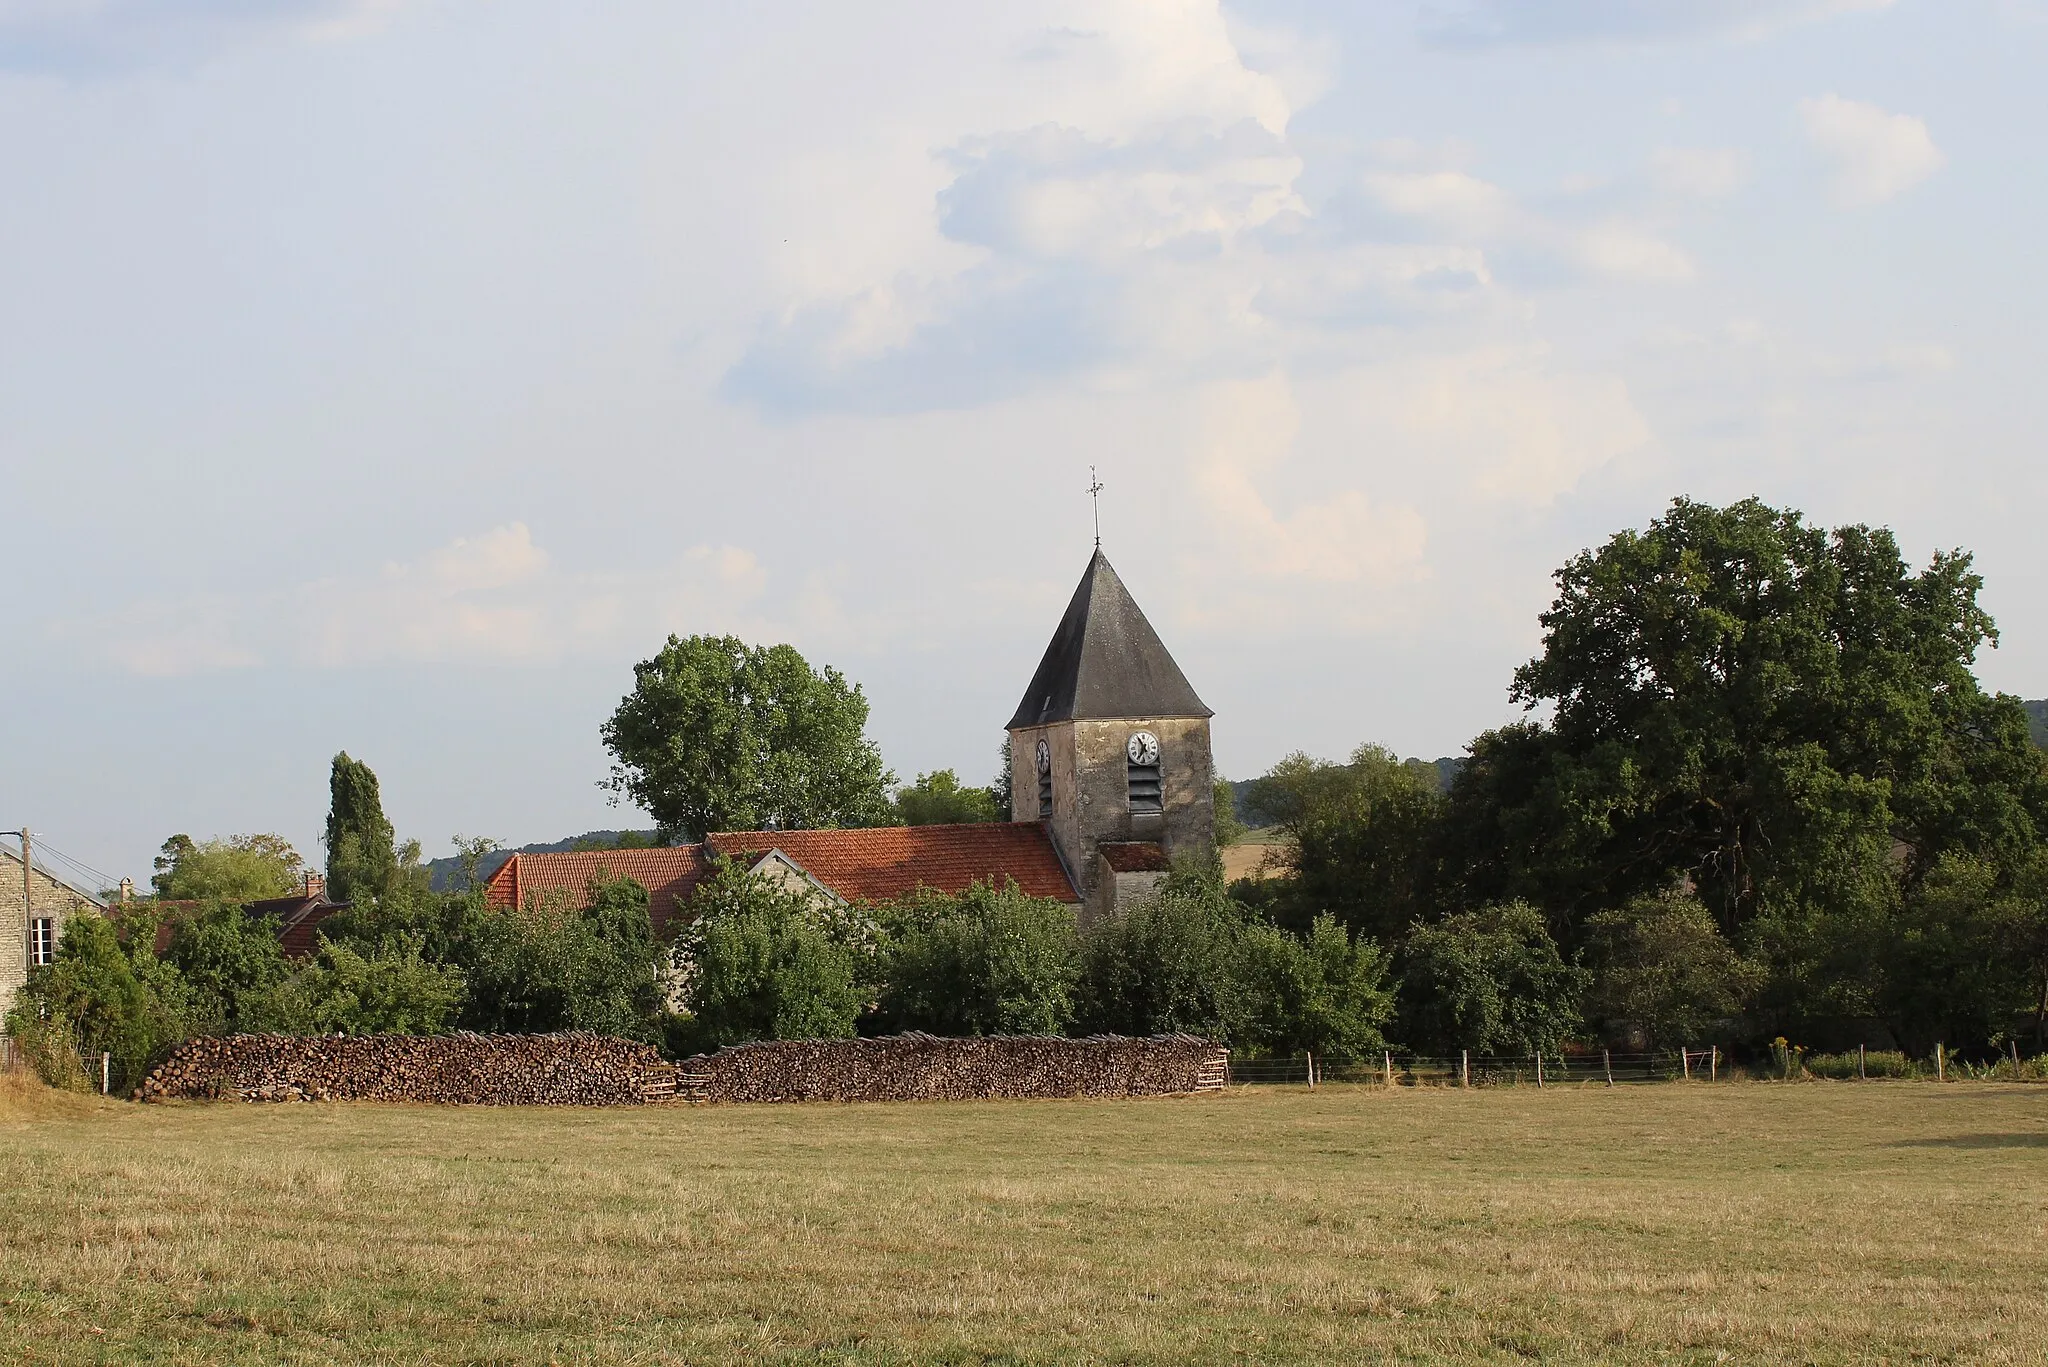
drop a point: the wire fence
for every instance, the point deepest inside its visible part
(1485, 1070)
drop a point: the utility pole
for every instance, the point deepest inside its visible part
(28, 904)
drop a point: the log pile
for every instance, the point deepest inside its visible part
(574, 1069)
(917, 1067)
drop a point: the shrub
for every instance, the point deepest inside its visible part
(764, 961)
(1661, 966)
(228, 960)
(390, 991)
(1192, 959)
(1488, 980)
(986, 961)
(1876, 1063)
(93, 999)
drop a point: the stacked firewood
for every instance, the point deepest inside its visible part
(574, 1069)
(917, 1067)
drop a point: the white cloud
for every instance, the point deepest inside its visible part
(1702, 172)
(1876, 155)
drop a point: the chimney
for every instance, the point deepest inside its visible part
(316, 885)
(127, 890)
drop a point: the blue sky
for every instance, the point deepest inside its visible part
(390, 375)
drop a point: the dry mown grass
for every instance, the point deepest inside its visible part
(1740, 1223)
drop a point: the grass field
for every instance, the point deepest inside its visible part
(1818, 1222)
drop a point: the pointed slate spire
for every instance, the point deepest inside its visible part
(1105, 661)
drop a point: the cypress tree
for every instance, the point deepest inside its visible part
(360, 860)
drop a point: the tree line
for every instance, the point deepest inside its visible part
(1760, 794)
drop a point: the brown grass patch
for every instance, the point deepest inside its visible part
(1821, 1223)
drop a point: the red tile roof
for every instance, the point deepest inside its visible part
(1135, 856)
(882, 862)
(669, 876)
(869, 865)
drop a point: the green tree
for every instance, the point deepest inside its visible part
(392, 990)
(362, 862)
(1491, 981)
(1229, 830)
(1327, 993)
(549, 965)
(1661, 968)
(228, 959)
(242, 868)
(938, 799)
(1766, 708)
(986, 961)
(99, 995)
(1366, 836)
(719, 735)
(761, 962)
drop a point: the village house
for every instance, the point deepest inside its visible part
(32, 918)
(1111, 779)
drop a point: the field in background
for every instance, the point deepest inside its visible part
(1813, 1222)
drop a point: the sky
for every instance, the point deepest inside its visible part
(391, 375)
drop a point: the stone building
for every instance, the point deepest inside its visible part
(30, 929)
(1110, 781)
(1109, 749)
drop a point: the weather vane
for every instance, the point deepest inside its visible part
(1095, 495)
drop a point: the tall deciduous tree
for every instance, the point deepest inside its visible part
(1779, 712)
(242, 868)
(719, 735)
(940, 799)
(361, 859)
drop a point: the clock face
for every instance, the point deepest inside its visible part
(1044, 756)
(1143, 748)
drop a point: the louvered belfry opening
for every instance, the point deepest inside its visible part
(1142, 781)
(1044, 794)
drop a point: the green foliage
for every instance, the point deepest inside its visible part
(361, 861)
(1662, 968)
(242, 868)
(1766, 707)
(100, 996)
(1229, 830)
(1875, 1063)
(762, 964)
(938, 799)
(1000, 789)
(1491, 981)
(986, 961)
(51, 1050)
(547, 966)
(718, 735)
(1365, 835)
(391, 990)
(228, 960)
(1192, 960)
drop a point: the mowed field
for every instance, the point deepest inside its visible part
(1812, 1223)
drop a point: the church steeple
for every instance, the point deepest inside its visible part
(1110, 749)
(1105, 661)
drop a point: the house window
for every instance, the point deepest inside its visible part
(42, 941)
(1141, 773)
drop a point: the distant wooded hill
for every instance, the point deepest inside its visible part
(2037, 721)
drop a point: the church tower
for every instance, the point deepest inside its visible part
(1110, 749)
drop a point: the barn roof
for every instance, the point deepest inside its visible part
(872, 864)
(1105, 661)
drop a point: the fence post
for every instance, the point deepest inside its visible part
(2015, 1059)
(1311, 1069)
(106, 1070)
(1940, 1063)
(1685, 1063)
(1539, 1067)
(1464, 1067)
(1861, 1076)
(1607, 1065)
(1714, 1064)
(1390, 1067)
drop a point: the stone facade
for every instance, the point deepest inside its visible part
(1090, 790)
(49, 900)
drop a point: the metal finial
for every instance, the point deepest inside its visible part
(1095, 495)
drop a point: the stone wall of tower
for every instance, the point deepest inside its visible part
(47, 898)
(1091, 794)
